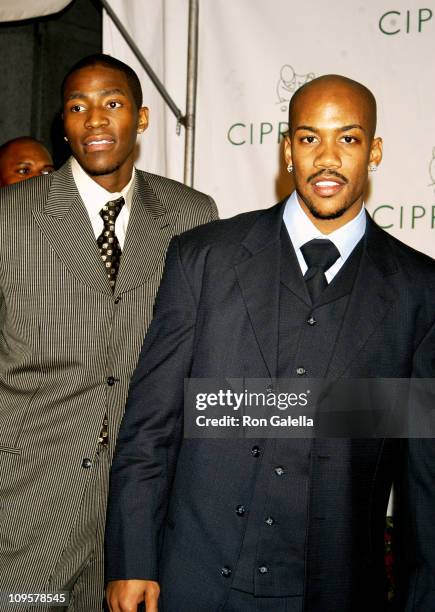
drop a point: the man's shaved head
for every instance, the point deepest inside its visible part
(334, 86)
(21, 140)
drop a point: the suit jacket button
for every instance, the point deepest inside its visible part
(279, 471)
(311, 320)
(226, 572)
(110, 381)
(300, 371)
(117, 300)
(240, 510)
(263, 569)
(269, 520)
(255, 451)
(86, 463)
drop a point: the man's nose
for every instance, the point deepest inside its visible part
(328, 156)
(96, 117)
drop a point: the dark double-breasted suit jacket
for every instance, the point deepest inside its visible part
(182, 511)
(68, 347)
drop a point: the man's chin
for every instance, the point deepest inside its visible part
(99, 169)
(327, 215)
(326, 212)
(103, 172)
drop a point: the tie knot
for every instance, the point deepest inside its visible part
(111, 210)
(320, 253)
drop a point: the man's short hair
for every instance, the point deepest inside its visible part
(101, 59)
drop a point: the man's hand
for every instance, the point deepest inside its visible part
(126, 595)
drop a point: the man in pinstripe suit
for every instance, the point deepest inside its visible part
(73, 313)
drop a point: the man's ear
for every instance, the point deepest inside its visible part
(142, 122)
(288, 150)
(376, 152)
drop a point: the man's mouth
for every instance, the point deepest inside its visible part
(98, 143)
(327, 187)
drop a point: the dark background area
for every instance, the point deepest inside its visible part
(35, 56)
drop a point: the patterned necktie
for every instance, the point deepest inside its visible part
(320, 255)
(110, 252)
(107, 241)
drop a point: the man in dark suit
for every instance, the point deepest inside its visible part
(81, 256)
(309, 288)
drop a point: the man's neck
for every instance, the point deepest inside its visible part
(114, 182)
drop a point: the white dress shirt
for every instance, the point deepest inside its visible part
(301, 230)
(95, 197)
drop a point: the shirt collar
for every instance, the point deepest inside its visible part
(93, 195)
(301, 229)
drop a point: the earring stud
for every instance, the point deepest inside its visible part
(373, 168)
(65, 139)
(290, 168)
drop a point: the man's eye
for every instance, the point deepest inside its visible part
(308, 139)
(114, 104)
(349, 139)
(23, 170)
(77, 108)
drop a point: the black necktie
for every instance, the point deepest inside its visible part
(107, 241)
(320, 255)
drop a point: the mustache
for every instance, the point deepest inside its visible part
(327, 174)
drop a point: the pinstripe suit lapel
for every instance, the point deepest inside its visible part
(65, 223)
(148, 234)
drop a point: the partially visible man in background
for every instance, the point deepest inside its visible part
(22, 158)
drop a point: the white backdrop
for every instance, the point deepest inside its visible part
(14, 10)
(253, 55)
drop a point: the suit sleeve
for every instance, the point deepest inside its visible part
(151, 431)
(416, 500)
(214, 214)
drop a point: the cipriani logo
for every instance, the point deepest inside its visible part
(265, 132)
(405, 22)
(432, 170)
(288, 83)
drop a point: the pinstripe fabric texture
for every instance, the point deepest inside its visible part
(68, 346)
(81, 565)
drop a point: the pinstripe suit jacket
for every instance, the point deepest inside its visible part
(62, 334)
